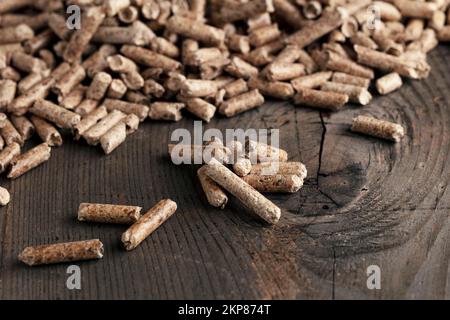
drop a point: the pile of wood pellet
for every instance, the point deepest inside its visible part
(138, 59)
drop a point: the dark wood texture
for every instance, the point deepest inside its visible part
(365, 202)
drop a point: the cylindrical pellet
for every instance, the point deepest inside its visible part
(99, 86)
(389, 83)
(356, 94)
(378, 128)
(148, 223)
(47, 132)
(8, 154)
(62, 252)
(320, 99)
(29, 160)
(241, 103)
(249, 197)
(214, 194)
(93, 134)
(90, 120)
(127, 107)
(23, 126)
(274, 183)
(108, 213)
(282, 168)
(62, 117)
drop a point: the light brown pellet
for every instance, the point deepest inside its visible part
(345, 78)
(117, 89)
(200, 108)
(69, 81)
(286, 10)
(336, 62)
(249, 197)
(241, 103)
(108, 213)
(10, 133)
(242, 166)
(356, 94)
(198, 88)
(8, 154)
(261, 152)
(364, 40)
(97, 62)
(99, 86)
(86, 106)
(165, 47)
(113, 7)
(94, 133)
(213, 192)
(238, 43)
(9, 73)
(312, 9)
(16, 34)
(63, 118)
(415, 9)
(427, 41)
(264, 54)
(279, 71)
(387, 62)
(153, 88)
(23, 126)
(92, 18)
(127, 107)
(282, 168)
(90, 120)
(128, 15)
(235, 88)
(196, 30)
(389, 83)
(74, 98)
(113, 138)
(62, 252)
(231, 11)
(27, 63)
(241, 69)
(47, 132)
(378, 128)
(5, 197)
(7, 93)
(320, 99)
(276, 89)
(274, 183)
(30, 80)
(149, 58)
(311, 81)
(169, 111)
(57, 23)
(263, 35)
(148, 223)
(414, 29)
(29, 160)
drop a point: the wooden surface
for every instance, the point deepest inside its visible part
(365, 202)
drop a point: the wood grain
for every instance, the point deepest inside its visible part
(365, 202)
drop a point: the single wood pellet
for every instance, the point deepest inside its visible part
(249, 197)
(148, 223)
(378, 128)
(274, 183)
(213, 192)
(5, 197)
(389, 83)
(108, 213)
(283, 168)
(62, 252)
(29, 160)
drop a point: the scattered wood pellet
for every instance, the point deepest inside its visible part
(213, 192)
(274, 183)
(148, 223)
(47, 132)
(29, 160)
(241, 103)
(283, 168)
(7, 155)
(355, 94)
(333, 101)
(249, 197)
(5, 197)
(62, 252)
(378, 128)
(389, 83)
(108, 213)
